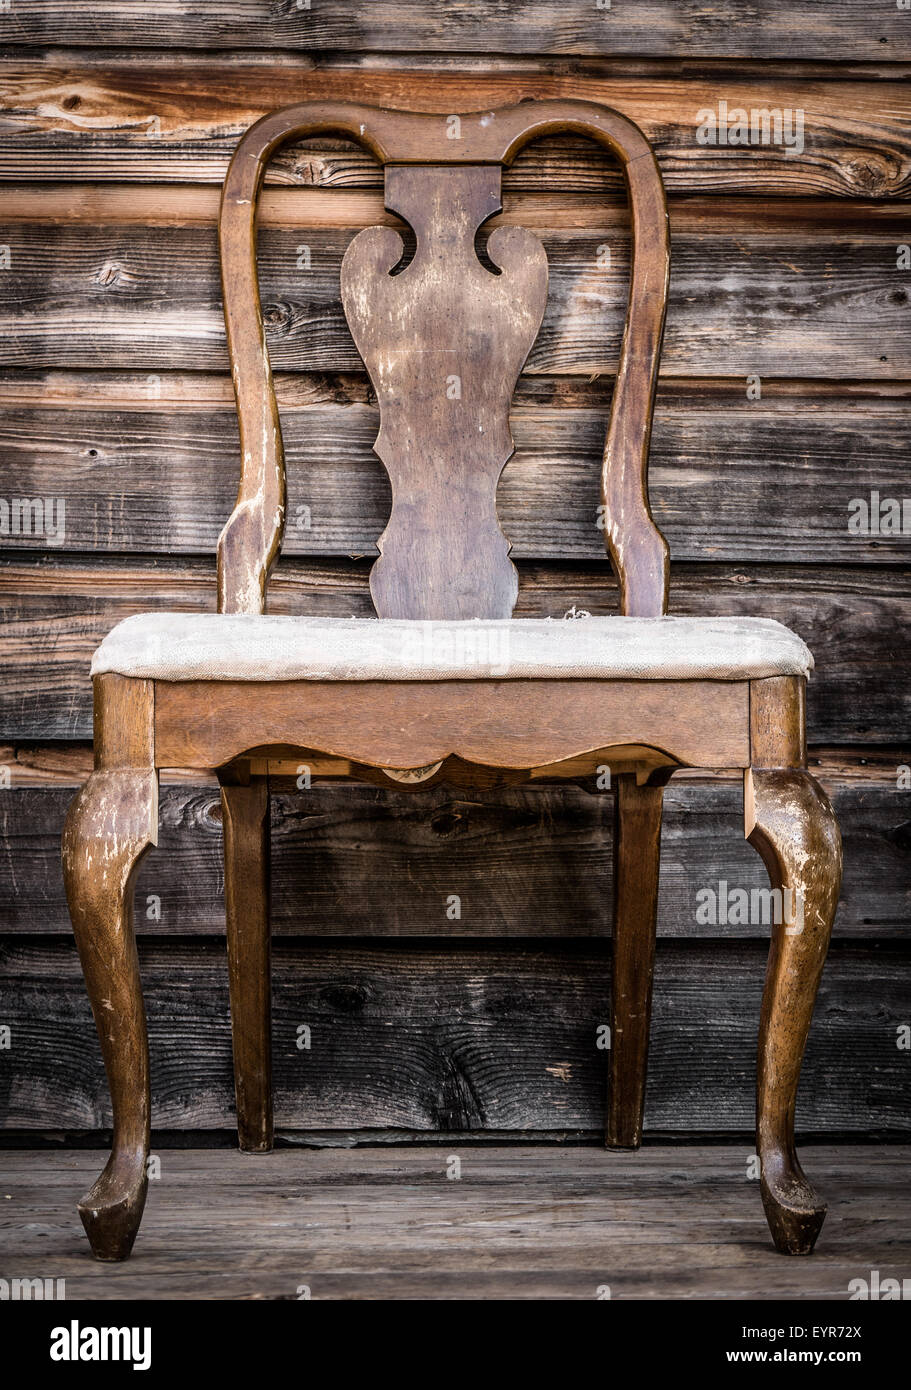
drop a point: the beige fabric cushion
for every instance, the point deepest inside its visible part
(185, 646)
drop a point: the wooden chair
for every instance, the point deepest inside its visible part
(446, 683)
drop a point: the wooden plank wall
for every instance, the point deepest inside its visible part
(118, 120)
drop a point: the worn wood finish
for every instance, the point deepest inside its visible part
(778, 722)
(789, 820)
(637, 849)
(501, 723)
(112, 822)
(245, 818)
(444, 342)
(496, 724)
(252, 536)
(123, 721)
(781, 29)
(163, 119)
(824, 300)
(42, 765)
(540, 205)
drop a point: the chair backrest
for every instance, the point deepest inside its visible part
(444, 341)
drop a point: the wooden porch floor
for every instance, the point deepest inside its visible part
(385, 1222)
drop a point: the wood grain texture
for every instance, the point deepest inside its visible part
(111, 823)
(824, 29)
(545, 204)
(789, 820)
(637, 852)
(123, 723)
(798, 299)
(247, 861)
(778, 722)
(784, 287)
(155, 118)
(531, 862)
(859, 692)
(144, 469)
(33, 765)
(458, 1036)
(444, 343)
(526, 1221)
(445, 288)
(497, 723)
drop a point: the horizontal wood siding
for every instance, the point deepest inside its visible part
(152, 473)
(354, 860)
(429, 1036)
(796, 299)
(826, 29)
(172, 119)
(784, 397)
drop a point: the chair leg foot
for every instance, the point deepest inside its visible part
(793, 1209)
(112, 1210)
(790, 821)
(109, 826)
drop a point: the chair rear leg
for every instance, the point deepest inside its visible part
(637, 846)
(245, 817)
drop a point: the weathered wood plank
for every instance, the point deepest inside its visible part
(205, 391)
(740, 303)
(160, 474)
(155, 118)
(523, 1221)
(351, 859)
(474, 1038)
(826, 29)
(56, 614)
(197, 205)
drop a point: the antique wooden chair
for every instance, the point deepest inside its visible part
(445, 682)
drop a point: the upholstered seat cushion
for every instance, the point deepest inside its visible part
(184, 646)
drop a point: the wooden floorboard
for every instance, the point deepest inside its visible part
(539, 1221)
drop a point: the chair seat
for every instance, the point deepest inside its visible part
(184, 646)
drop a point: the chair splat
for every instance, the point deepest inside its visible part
(444, 342)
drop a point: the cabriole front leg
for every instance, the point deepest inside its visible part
(790, 821)
(109, 826)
